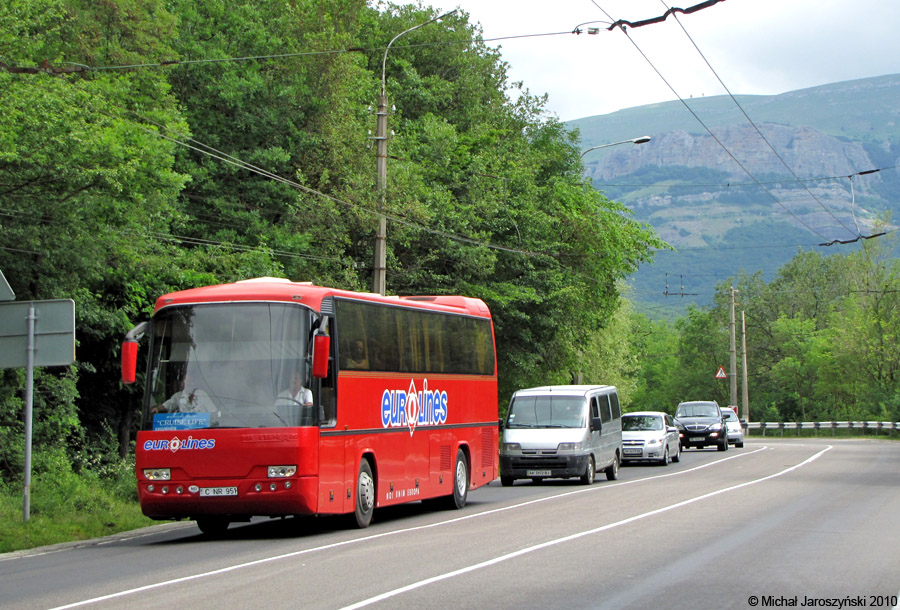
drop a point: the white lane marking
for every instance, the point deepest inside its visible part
(257, 562)
(549, 543)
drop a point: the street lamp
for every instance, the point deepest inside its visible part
(640, 140)
(381, 135)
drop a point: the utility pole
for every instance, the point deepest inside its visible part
(733, 373)
(379, 280)
(745, 396)
(379, 277)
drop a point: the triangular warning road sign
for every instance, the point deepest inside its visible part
(721, 374)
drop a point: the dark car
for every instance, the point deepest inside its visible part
(701, 423)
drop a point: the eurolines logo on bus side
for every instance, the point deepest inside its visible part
(411, 408)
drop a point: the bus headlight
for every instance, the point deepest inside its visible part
(280, 472)
(158, 474)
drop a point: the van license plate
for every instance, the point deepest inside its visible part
(218, 491)
(537, 473)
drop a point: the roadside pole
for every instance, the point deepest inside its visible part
(745, 395)
(35, 333)
(733, 372)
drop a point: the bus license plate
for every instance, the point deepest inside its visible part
(537, 473)
(218, 491)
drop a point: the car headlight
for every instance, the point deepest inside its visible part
(568, 447)
(716, 427)
(655, 441)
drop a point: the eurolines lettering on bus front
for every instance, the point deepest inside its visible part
(177, 444)
(412, 407)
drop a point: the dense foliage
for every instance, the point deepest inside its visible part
(126, 143)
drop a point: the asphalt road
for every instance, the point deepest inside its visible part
(779, 523)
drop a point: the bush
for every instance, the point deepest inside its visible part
(66, 505)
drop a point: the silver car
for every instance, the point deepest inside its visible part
(650, 435)
(734, 426)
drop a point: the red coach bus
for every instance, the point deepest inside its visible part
(270, 398)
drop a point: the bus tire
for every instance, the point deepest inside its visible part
(365, 495)
(460, 481)
(212, 526)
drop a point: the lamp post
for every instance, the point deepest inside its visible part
(381, 135)
(640, 140)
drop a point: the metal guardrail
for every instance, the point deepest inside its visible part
(876, 426)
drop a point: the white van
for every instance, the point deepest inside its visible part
(562, 431)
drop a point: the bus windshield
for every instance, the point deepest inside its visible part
(547, 412)
(235, 365)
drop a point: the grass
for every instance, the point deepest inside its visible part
(66, 507)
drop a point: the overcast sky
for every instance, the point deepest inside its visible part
(756, 47)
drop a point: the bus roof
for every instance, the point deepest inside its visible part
(279, 289)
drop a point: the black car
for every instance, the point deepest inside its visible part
(701, 423)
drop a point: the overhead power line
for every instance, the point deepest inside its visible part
(710, 132)
(621, 23)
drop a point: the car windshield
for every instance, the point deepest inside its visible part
(547, 412)
(696, 410)
(729, 415)
(635, 423)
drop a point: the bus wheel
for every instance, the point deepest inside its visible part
(365, 495)
(212, 526)
(460, 481)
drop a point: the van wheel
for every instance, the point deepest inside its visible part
(588, 477)
(460, 481)
(365, 495)
(506, 481)
(612, 471)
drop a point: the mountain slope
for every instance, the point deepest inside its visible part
(728, 199)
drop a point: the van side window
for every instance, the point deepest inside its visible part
(614, 401)
(595, 408)
(604, 408)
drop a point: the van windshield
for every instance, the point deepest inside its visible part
(547, 412)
